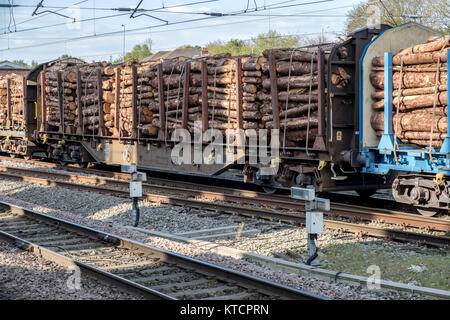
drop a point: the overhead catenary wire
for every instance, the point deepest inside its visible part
(107, 9)
(40, 16)
(90, 19)
(130, 31)
(210, 15)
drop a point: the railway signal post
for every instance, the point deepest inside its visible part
(314, 218)
(135, 188)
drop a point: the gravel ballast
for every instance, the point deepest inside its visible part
(111, 214)
(24, 276)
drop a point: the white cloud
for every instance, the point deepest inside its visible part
(180, 9)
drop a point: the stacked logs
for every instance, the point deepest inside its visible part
(123, 89)
(65, 70)
(419, 90)
(169, 89)
(15, 97)
(296, 90)
(219, 84)
(90, 95)
(221, 91)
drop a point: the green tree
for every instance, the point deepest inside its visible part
(34, 64)
(188, 46)
(21, 63)
(263, 41)
(432, 13)
(234, 46)
(316, 40)
(139, 52)
(273, 40)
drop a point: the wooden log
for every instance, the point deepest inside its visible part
(417, 58)
(430, 67)
(300, 135)
(287, 54)
(293, 112)
(410, 79)
(173, 93)
(296, 68)
(149, 129)
(68, 76)
(252, 63)
(294, 82)
(435, 45)
(295, 123)
(411, 122)
(223, 126)
(377, 95)
(415, 102)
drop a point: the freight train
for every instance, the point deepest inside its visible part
(342, 150)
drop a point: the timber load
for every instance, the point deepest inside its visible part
(139, 99)
(12, 101)
(76, 91)
(419, 93)
(289, 94)
(218, 91)
(129, 86)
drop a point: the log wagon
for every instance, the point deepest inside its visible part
(343, 121)
(121, 114)
(404, 99)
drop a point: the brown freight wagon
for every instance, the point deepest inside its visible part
(17, 113)
(122, 114)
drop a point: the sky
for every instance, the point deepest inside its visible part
(98, 31)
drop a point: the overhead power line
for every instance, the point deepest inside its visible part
(40, 16)
(237, 13)
(125, 10)
(105, 9)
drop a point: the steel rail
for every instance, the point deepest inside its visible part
(20, 237)
(273, 215)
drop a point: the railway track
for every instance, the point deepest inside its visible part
(250, 198)
(149, 271)
(239, 196)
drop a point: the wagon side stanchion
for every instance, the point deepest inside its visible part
(8, 102)
(319, 143)
(386, 145)
(43, 104)
(79, 104)
(60, 102)
(446, 145)
(117, 104)
(134, 108)
(205, 119)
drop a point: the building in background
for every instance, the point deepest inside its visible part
(8, 67)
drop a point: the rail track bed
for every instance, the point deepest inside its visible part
(250, 203)
(152, 272)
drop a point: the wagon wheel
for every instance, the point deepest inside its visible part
(269, 190)
(83, 164)
(366, 193)
(429, 212)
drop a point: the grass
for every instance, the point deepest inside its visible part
(355, 258)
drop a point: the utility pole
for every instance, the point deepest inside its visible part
(123, 51)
